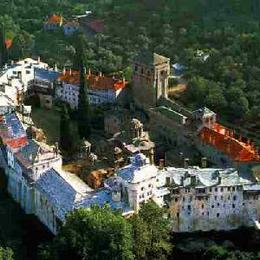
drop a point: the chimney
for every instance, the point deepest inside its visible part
(55, 67)
(39, 59)
(64, 71)
(12, 62)
(100, 74)
(70, 71)
(204, 162)
(85, 70)
(161, 164)
(186, 163)
(89, 71)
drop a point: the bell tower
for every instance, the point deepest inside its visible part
(151, 73)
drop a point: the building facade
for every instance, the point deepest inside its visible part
(151, 73)
(101, 89)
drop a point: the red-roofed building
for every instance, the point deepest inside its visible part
(222, 146)
(91, 25)
(101, 89)
(53, 22)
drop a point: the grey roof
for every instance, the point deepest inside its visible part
(62, 190)
(206, 177)
(28, 153)
(101, 198)
(150, 58)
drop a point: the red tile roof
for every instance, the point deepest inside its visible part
(95, 82)
(223, 139)
(97, 26)
(54, 19)
(16, 143)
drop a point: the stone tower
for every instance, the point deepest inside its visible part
(151, 73)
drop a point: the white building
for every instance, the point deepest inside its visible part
(101, 89)
(14, 79)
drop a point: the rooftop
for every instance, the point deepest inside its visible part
(54, 19)
(45, 74)
(62, 189)
(95, 82)
(12, 131)
(205, 177)
(150, 58)
(224, 140)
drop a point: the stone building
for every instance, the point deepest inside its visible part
(151, 73)
(101, 89)
(210, 199)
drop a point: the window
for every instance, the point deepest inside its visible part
(233, 206)
(221, 197)
(177, 214)
(176, 199)
(189, 207)
(228, 188)
(215, 197)
(217, 215)
(212, 206)
(233, 188)
(136, 68)
(221, 189)
(142, 188)
(216, 189)
(202, 206)
(183, 199)
(210, 189)
(234, 197)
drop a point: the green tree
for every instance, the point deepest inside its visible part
(3, 49)
(6, 254)
(98, 233)
(151, 231)
(68, 141)
(84, 126)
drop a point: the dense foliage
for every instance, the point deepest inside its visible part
(105, 234)
(227, 31)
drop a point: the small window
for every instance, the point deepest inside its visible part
(217, 215)
(234, 197)
(177, 214)
(228, 188)
(221, 189)
(176, 199)
(212, 206)
(233, 206)
(216, 189)
(142, 188)
(216, 198)
(183, 198)
(202, 206)
(233, 188)
(189, 207)
(210, 189)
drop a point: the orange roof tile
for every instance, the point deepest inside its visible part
(56, 19)
(8, 43)
(223, 139)
(95, 82)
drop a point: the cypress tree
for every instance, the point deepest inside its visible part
(3, 49)
(84, 127)
(67, 140)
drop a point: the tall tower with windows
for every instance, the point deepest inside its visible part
(151, 73)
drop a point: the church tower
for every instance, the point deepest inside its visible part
(151, 73)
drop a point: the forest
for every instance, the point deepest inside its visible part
(227, 32)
